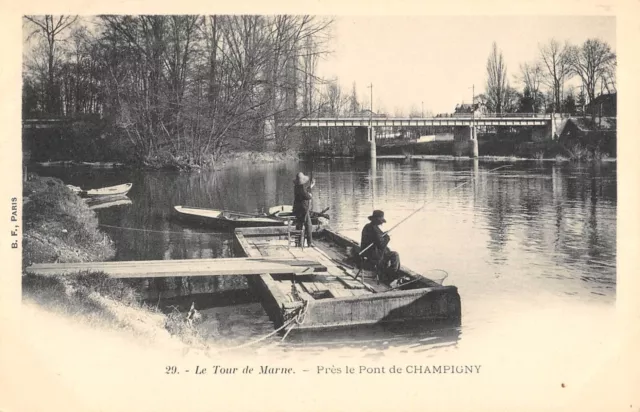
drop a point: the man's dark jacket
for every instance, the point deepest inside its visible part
(371, 233)
(301, 198)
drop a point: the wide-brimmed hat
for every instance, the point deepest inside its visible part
(378, 215)
(301, 179)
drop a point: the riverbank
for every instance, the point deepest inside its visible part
(508, 149)
(483, 158)
(183, 164)
(59, 227)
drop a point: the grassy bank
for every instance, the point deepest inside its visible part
(167, 161)
(59, 227)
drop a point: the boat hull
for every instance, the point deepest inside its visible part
(206, 218)
(108, 192)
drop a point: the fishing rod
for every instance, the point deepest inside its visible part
(424, 204)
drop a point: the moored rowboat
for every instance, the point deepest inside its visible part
(110, 191)
(225, 219)
(119, 190)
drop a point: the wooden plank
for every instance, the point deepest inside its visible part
(298, 252)
(340, 293)
(278, 252)
(270, 230)
(321, 286)
(186, 267)
(310, 286)
(351, 283)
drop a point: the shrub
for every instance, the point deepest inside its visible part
(59, 226)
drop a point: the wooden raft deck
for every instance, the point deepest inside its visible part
(182, 268)
(335, 298)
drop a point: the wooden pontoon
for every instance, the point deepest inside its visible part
(335, 298)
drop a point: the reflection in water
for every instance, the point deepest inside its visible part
(523, 235)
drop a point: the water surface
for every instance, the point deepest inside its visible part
(535, 237)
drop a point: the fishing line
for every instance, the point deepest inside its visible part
(427, 202)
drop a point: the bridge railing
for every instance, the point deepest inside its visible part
(438, 116)
(497, 115)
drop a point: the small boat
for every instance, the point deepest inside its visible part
(226, 219)
(343, 296)
(110, 191)
(119, 190)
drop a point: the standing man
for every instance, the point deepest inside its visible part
(301, 198)
(385, 260)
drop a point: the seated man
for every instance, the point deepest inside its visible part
(386, 261)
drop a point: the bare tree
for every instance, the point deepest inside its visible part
(398, 112)
(511, 100)
(496, 87)
(531, 76)
(414, 112)
(592, 62)
(182, 88)
(50, 29)
(555, 59)
(354, 105)
(334, 100)
(609, 77)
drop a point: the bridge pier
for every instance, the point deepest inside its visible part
(465, 141)
(365, 142)
(549, 131)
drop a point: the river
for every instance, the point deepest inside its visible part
(534, 242)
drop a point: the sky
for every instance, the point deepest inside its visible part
(437, 59)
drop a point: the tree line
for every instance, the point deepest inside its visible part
(183, 86)
(543, 80)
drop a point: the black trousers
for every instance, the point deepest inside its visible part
(389, 263)
(305, 221)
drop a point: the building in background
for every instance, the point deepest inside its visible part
(467, 110)
(604, 105)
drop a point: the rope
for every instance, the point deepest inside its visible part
(298, 319)
(159, 231)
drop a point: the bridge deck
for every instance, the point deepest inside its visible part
(429, 121)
